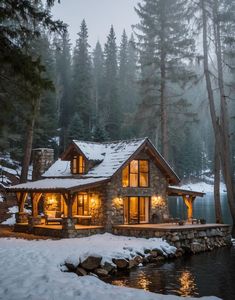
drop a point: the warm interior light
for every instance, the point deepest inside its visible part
(117, 202)
(157, 201)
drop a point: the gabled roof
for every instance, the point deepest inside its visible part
(112, 157)
(57, 185)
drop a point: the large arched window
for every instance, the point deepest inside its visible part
(78, 164)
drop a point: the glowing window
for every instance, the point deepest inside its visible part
(78, 164)
(136, 174)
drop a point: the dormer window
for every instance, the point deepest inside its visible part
(136, 174)
(78, 164)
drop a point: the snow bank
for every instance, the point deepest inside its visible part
(31, 269)
(203, 187)
(111, 246)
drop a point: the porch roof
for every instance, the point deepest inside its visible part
(57, 185)
(177, 191)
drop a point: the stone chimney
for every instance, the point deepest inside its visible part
(43, 158)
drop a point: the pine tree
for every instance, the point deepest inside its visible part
(164, 47)
(98, 81)
(111, 110)
(82, 81)
(63, 87)
(76, 130)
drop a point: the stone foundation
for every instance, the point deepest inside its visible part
(59, 233)
(191, 240)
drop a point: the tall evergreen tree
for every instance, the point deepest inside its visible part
(63, 87)
(164, 47)
(111, 110)
(98, 80)
(82, 81)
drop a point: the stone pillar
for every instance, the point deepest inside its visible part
(43, 158)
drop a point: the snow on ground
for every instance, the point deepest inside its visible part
(13, 210)
(1, 198)
(203, 187)
(31, 269)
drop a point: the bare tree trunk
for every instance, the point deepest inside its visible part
(29, 142)
(224, 128)
(163, 104)
(215, 124)
(218, 210)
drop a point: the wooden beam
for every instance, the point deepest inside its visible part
(188, 200)
(35, 197)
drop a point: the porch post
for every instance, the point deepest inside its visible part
(68, 223)
(35, 197)
(188, 200)
(21, 216)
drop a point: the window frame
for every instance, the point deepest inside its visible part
(138, 174)
(128, 209)
(79, 167)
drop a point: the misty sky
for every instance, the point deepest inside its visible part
(99, 15)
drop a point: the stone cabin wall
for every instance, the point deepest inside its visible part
(114, 212)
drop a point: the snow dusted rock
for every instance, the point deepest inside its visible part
(80, 271)
(101, 272)
(121, 263)
(109, 267)
(91, 262)
(132, 263)
(138, 259)
(158, 251)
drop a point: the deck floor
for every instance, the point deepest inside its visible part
(171, 226)
(59, 227)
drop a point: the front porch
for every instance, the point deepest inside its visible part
(56, 230)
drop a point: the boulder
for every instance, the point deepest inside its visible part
(158, 251)
(132, 263)
(108, 267)
(155, 259)
(121, 263)
(70, 267)
(138, 259)
(91, 263)
(101, 272)
(175, 238)
(80, 271)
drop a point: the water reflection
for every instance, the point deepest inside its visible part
(209, 273)
(187, 284)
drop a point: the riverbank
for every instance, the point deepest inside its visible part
(32, 269)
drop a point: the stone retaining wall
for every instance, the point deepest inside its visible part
(191, 240)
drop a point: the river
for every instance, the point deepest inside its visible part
(205, 274)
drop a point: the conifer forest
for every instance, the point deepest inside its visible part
(172, 80)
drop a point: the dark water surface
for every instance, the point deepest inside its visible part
(202, 208)
(206, 274)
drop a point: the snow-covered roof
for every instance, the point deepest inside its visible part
(116, 154)
(60, 168)
(92, 151)
(178, 191)
(56, 184)
(110, 157)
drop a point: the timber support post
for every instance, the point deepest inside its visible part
(188, 200)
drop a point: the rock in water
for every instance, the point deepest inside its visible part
(91, 262)
(121, 263)
(101, 272)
